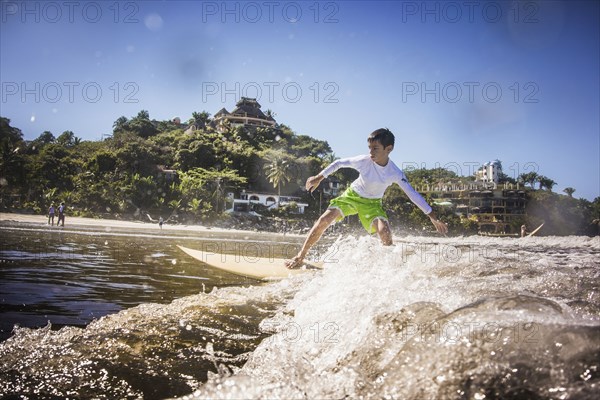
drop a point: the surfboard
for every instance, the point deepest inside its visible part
(533, 232)
(261, 268)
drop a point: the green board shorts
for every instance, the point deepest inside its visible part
(368, 210)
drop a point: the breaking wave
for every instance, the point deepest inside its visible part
(444, 318)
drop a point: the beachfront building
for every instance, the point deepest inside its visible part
(498, 209)
(247, 112)
(489, 172)
(247, 201)
(331, 186)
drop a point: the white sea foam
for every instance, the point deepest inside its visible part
(471, 317)
(422, 318)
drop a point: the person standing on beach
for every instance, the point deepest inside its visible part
(363, 197)
(51, 212)
(61, 214)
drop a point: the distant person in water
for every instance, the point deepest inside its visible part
(51, 212)
(61, 215)
(363, 197)
(523, 230)
(160, 222)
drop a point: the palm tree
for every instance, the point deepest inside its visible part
(540, 179)
(545, 182)
(530, 177)
(279, 171)
(46, 137)
(218, 193)
(143, 114)
(120, 123)
(200, 119)
(569, 191)
(66, 139)
(549, 184)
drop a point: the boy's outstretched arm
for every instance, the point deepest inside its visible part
(439, 225)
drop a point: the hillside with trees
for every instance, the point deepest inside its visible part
(160, 168)
(127, 174)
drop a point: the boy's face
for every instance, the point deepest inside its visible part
(378, 153)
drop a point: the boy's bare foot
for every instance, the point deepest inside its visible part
(294, 263)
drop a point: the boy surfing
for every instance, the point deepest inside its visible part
(363, 197)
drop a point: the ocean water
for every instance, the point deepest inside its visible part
(428, 318)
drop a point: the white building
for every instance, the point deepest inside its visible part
(489, 172)
(332, 186)
(247, 199)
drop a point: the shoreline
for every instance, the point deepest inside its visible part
(108, 225)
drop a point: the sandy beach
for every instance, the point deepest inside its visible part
(107, 225)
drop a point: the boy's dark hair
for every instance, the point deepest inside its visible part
(383, 136)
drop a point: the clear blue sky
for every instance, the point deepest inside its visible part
(459, 83)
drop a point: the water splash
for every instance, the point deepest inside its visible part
(443, 319)
(446, 318)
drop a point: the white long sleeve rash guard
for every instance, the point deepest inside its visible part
(373, 179)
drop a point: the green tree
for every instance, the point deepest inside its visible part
(329, 158)
(200, 152)
(503, 178)
(143, 191)
(201, 186)
(529, 177)
(143, 114)
(12, 157)
(279, 170)
(143, 128)
(53, 167)
(120, 124)
(67, 139)
(304, 146)
(134, 154)
(545, 182)
(569, 191)
(200, 119)
(140, 125)
(44, 139)
(102, 162)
